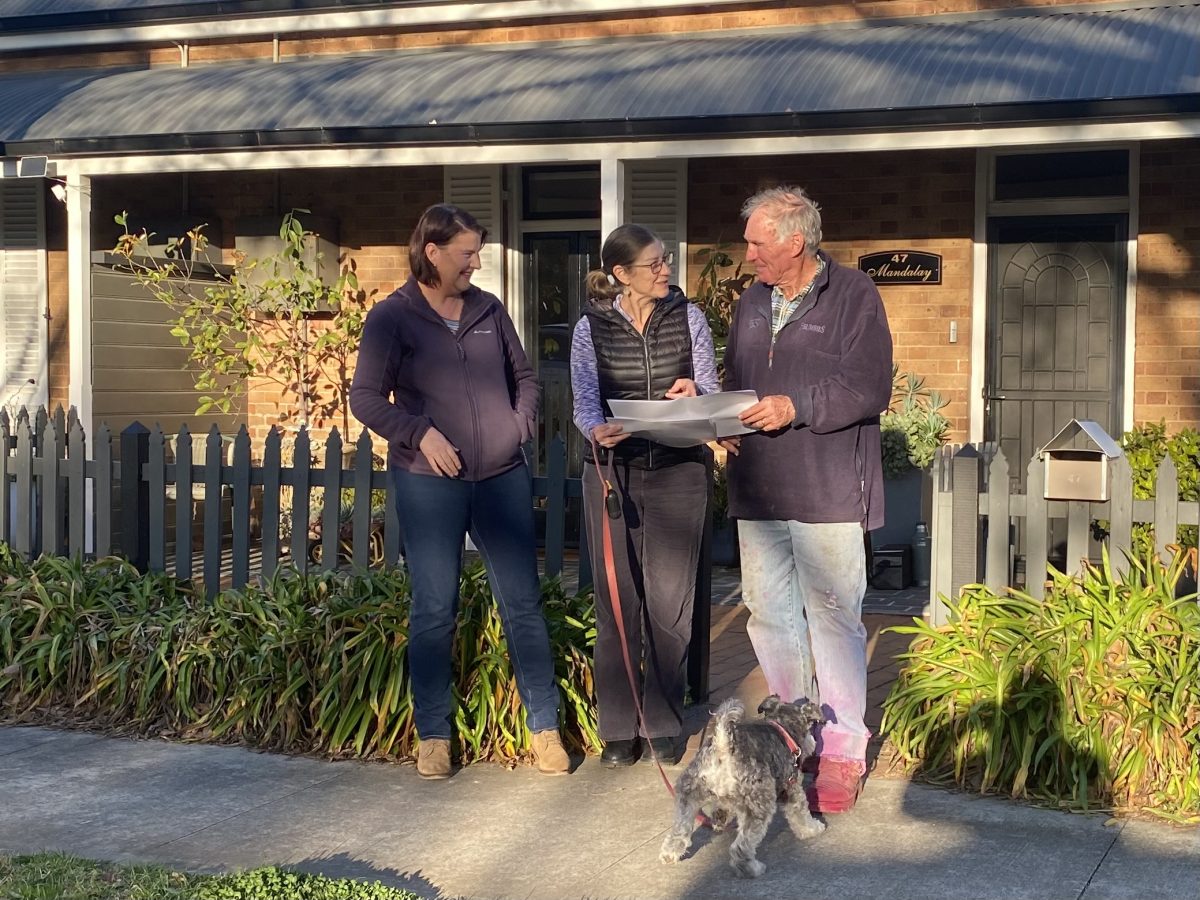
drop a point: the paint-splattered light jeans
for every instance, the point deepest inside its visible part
(804, 585)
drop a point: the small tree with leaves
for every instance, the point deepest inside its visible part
(269, 319)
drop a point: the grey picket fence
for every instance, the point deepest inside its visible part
(145, 495)
(188, 507)
(981, 525)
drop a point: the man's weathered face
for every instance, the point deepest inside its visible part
(774, 260)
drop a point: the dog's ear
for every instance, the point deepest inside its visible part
(769, 705)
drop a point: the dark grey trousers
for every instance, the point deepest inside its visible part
(656, 546)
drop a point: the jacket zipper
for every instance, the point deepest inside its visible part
(462, 356)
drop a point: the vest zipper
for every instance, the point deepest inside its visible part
(649, 386)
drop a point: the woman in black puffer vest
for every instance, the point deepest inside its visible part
(640, 339)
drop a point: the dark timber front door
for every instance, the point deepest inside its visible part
(1056, 306)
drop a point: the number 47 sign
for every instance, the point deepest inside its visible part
(902, 267)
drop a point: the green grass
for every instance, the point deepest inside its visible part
(51, 876)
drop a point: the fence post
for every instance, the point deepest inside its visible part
(241, 508)
(964, 552)
(211, 566)
(102, 488)
(556, 504)
(156, 492)
(9, 489)
(998, 571)
(23, 490)
(363, 464)
(698, 649)
(301, 481)
(50, 445)
(183, 504)
(272, 454)
(1037, 528)
(76, 488)
(135, 499)
(1120, 519)
(941, 528)
(1166, 507)
(331, 502)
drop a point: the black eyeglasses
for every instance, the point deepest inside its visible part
(657, 266)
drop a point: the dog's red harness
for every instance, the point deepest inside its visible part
(793, 748)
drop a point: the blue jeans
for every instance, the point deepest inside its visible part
(803, 585)
(437, 514)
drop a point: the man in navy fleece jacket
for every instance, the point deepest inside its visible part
(811, 337)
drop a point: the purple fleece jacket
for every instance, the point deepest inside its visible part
(833, 358)
(476, 387)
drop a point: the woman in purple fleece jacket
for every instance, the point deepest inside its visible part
(442, 376)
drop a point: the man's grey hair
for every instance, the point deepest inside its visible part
(789, 210)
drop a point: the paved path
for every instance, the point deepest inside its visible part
(492, 833)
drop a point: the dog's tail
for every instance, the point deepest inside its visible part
(727, 714)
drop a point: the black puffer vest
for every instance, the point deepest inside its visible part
(632, 366)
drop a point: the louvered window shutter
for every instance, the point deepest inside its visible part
(476, 189)
(22, 294)
(656, 196)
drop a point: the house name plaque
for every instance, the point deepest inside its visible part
(902, 267)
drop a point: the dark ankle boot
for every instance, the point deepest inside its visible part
(666, 750)
(618, 754)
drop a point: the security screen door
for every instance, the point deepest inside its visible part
(1056, 308)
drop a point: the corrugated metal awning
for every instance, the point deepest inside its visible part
(1068, 65)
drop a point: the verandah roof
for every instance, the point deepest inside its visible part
(1056, 64)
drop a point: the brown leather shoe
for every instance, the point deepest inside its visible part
(550, 754)
(433, 758)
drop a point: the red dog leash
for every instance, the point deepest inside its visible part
(612, 510)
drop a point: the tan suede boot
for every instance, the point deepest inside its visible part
(433, 758)
(551, 757)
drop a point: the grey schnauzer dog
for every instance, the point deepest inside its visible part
(747, 770)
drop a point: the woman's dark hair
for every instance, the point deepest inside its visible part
(439, 224)
(621, 248)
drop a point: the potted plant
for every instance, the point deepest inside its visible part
(912, 429)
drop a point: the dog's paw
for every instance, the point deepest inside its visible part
(672, 851)
(749, 868)
(811, 829)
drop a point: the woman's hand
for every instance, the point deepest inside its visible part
(683, 387)
(731, 444)
(609, 434)
(441, 455)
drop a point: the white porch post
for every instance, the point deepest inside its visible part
(79, 295)
(79, 318)
(612, 195)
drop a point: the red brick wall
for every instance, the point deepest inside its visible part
(871, 202)
(1167, 356)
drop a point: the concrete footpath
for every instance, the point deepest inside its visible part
(492, 833)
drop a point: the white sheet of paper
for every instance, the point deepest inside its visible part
(687, 421)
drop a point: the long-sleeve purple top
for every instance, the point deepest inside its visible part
(585, 383)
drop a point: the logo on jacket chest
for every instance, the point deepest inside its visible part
(810, 326)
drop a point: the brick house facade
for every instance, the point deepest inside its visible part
(919, 183)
